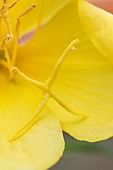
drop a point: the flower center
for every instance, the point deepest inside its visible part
(10, 38)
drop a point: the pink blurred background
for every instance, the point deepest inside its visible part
(105, 4)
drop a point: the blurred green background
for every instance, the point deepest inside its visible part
(80, 155)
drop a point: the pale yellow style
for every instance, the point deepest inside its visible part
(61, 79)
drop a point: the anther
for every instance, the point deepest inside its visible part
(17, 31)
(26, 11)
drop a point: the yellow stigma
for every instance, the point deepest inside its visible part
(47, 92)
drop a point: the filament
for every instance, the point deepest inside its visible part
(17, 32)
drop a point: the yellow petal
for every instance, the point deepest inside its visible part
(18, 102)
(42, 13)
(38, 56)
(99, 26)
(38, 149)
(51, 8)
(85, 83)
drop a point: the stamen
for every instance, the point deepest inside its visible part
(7, 21)
(17, 31)
(32, 120)
(4, 1)
(53, 75)
(26, 11)
(4, 5)
(6, 39)
(13, 4)
(7, 63)
(16, 36)
(5, 16)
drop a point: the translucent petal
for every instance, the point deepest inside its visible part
(85, 81)
(99, 30)
(18, 102)
(33, 151)
(43, 50)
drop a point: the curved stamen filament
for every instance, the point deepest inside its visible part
(7, 63)
(4, 4)
(13, 4)
(6, 39)
(27, 11)
(4, 1)
(6, 18)
(17, 32)
(7, 22)
(4, 15)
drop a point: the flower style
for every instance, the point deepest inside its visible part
(61, 79)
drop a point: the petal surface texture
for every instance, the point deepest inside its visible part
(50, 8)
(99, 30)
(85, 80)
(43, 50)
(18, 102)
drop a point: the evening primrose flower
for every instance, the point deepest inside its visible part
(83, 85)
(61, 79)
(42, 145)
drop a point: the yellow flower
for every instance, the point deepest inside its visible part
(40, 93)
